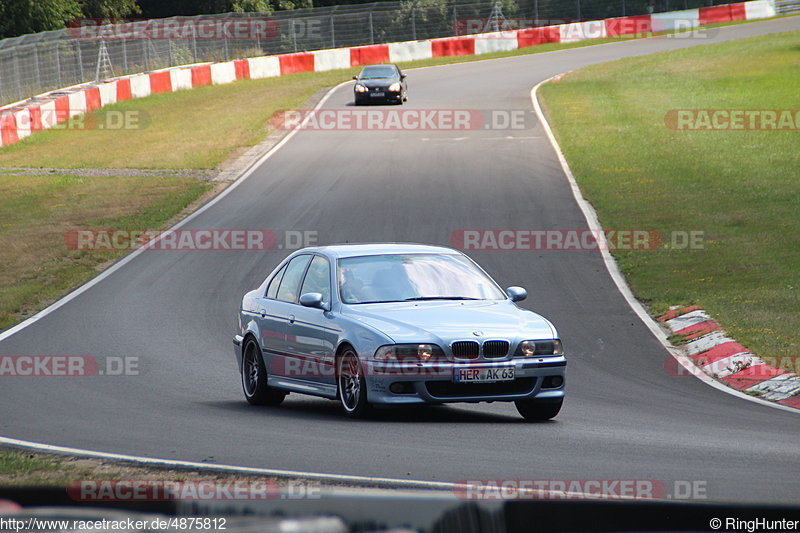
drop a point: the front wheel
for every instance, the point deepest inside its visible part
(254, 378)
(539, 409)
(352, 385)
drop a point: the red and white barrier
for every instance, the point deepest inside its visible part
(727, 361)
(21, 120)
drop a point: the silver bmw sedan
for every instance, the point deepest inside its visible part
(395, 324)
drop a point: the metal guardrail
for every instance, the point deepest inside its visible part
(787, 7)
(37, 63)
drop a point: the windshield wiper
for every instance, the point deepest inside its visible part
(417, 298)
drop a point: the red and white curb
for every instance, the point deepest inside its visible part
(727, 361)
(18, 121)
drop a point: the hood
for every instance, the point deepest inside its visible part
(379, 83)
(442, 322)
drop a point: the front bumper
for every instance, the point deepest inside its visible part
(371, 96)
(434, 382)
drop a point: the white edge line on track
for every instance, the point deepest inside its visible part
(440, 488)
(339, 478)
(619, 280)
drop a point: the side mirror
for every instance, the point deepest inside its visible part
(517, 294)
(355, 77)
(313, 299)
(402, 76)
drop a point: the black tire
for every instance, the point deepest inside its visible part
(254, 377)
(538, 410)
(352, 386)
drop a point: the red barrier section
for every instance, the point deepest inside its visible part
(8, 129)
(369, 55)
(629, 25)
(123, 90)
(201, 76)
(160, 82)
(93, 99)
(291, 63)
(717, 14)
(242, 67)
(36, 118)
(453, 47)
(62, 108)
(536, 36)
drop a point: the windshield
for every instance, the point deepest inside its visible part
(408, 277)
(373, 73)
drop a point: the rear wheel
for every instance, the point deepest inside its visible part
(254, 377)
(352, 385)
(539, 409)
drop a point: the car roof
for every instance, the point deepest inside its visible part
(362, 249)
(390, 65)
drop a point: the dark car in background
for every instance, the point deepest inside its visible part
(380, 84)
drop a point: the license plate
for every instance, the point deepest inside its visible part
(376, 94)
(484, 375)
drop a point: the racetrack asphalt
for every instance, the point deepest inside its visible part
(624, 416)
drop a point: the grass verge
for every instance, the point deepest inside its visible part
(36, 265)
(740, 188)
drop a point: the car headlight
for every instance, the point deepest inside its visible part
(361, 88)
(533, 348)
(395, 87)
(409, 352)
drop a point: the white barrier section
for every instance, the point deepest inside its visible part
(108, 93)
(77, 103)
(676, 20)
(140, 86)
(23, 118)
(760, 9)
(48, 110)
(222, 73)
(180, 78)
(410, 51)
(331, 59)
(499, 41)
(581, 31)
(264, 67)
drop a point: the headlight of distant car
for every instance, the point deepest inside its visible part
(409, 352)
(395, 87)
(361, 88)
(532, 348)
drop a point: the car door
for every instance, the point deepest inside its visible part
(278, 306)
(312, 334)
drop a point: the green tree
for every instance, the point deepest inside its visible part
(18, 17)
(110, 9)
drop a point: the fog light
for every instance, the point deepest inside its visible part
(402, 387)
(552, 382)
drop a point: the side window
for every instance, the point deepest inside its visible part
(318, 278)
(272, 289)
(290, 283)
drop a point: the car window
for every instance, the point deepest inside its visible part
(399, 277)
(287, 291)
(318, 278)
(371, 73)
(272, 288)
